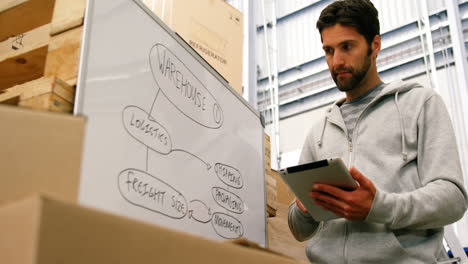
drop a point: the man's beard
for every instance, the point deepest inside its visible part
(357, 75)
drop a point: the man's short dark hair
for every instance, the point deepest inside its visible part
(360, 14)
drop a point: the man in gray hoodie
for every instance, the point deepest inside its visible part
(397, 140)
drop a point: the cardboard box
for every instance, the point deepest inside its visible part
(40, 230)
(40, 151)
(283, 194)
(280, 238)
(212, 27)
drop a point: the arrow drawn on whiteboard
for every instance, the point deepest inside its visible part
(152, 106)
(208, 166)
(199, 211)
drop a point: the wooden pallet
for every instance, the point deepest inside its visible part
(45, 93)
(39, 38)
(19, 16)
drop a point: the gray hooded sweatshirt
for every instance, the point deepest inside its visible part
(404, 142)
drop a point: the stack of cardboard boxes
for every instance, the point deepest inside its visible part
(41, 153)
(270, 180)
(40, 220)
(279, 197)
(42, 230)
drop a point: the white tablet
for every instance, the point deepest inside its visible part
(301, 178)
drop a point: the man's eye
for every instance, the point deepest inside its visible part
(328, 51)
(347, 46)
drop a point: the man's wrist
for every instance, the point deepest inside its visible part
(381, 210)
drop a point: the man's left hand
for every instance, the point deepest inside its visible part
(352, 205)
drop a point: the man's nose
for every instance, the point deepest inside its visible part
(338, 59)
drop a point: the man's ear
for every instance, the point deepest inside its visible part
(376, 45)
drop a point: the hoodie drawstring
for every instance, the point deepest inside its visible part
(319, 142)
(402, 127)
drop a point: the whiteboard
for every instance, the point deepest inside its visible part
(167, 140)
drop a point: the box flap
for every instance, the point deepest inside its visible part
(72, 234)
(40, 151)
(19, 227)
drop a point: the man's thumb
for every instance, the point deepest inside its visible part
(358, 176)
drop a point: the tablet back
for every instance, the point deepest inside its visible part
(301, 178)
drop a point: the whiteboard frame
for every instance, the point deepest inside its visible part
(83, 72)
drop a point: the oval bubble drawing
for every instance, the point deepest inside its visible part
(144, 190)
(183, 89)
(141, 126)
(227, 226)
(229, 175)
(228, 200)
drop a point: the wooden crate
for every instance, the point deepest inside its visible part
(39, 38)
(45, 93)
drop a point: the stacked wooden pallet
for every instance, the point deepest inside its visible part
(39, 52)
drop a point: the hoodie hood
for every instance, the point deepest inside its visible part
(398, 87)
(394, 88)
(389, 88)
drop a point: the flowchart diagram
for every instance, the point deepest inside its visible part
(176, 83)
(167, 141)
